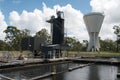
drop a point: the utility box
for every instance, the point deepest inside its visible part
(32, 43)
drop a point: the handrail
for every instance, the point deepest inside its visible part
(5, 77)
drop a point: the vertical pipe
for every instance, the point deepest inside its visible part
(117, 43)
(51, 32)
(94, 43)
(54, 55)
(59, 54)
(50, 54)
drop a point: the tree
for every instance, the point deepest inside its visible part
(73, 43)
(25, 33)
(43, 33)
(11, 34)
(14, 37)
(77, 46)
(117, 32)
(84, 45)
(107, 45)
(3, 46)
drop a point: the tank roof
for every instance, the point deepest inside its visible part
(94, 13)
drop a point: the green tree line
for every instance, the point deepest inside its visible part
(12, 41)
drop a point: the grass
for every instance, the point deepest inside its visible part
(95, 54)
(72, 54)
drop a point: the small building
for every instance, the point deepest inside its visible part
(54, 51)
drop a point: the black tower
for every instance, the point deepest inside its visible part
(57, 28)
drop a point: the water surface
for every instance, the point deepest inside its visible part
(93, 72)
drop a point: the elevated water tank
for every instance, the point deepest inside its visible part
(93, 22)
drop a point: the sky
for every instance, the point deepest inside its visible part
(32, 15)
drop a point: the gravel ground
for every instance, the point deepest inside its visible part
(6, 56)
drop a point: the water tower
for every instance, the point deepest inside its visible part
(93, 22)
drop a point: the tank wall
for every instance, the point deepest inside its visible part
(93, 22)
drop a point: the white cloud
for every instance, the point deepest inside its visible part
(3, 26)
(74, 22)
(36, 20)
(110, 8)
(33, 21)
